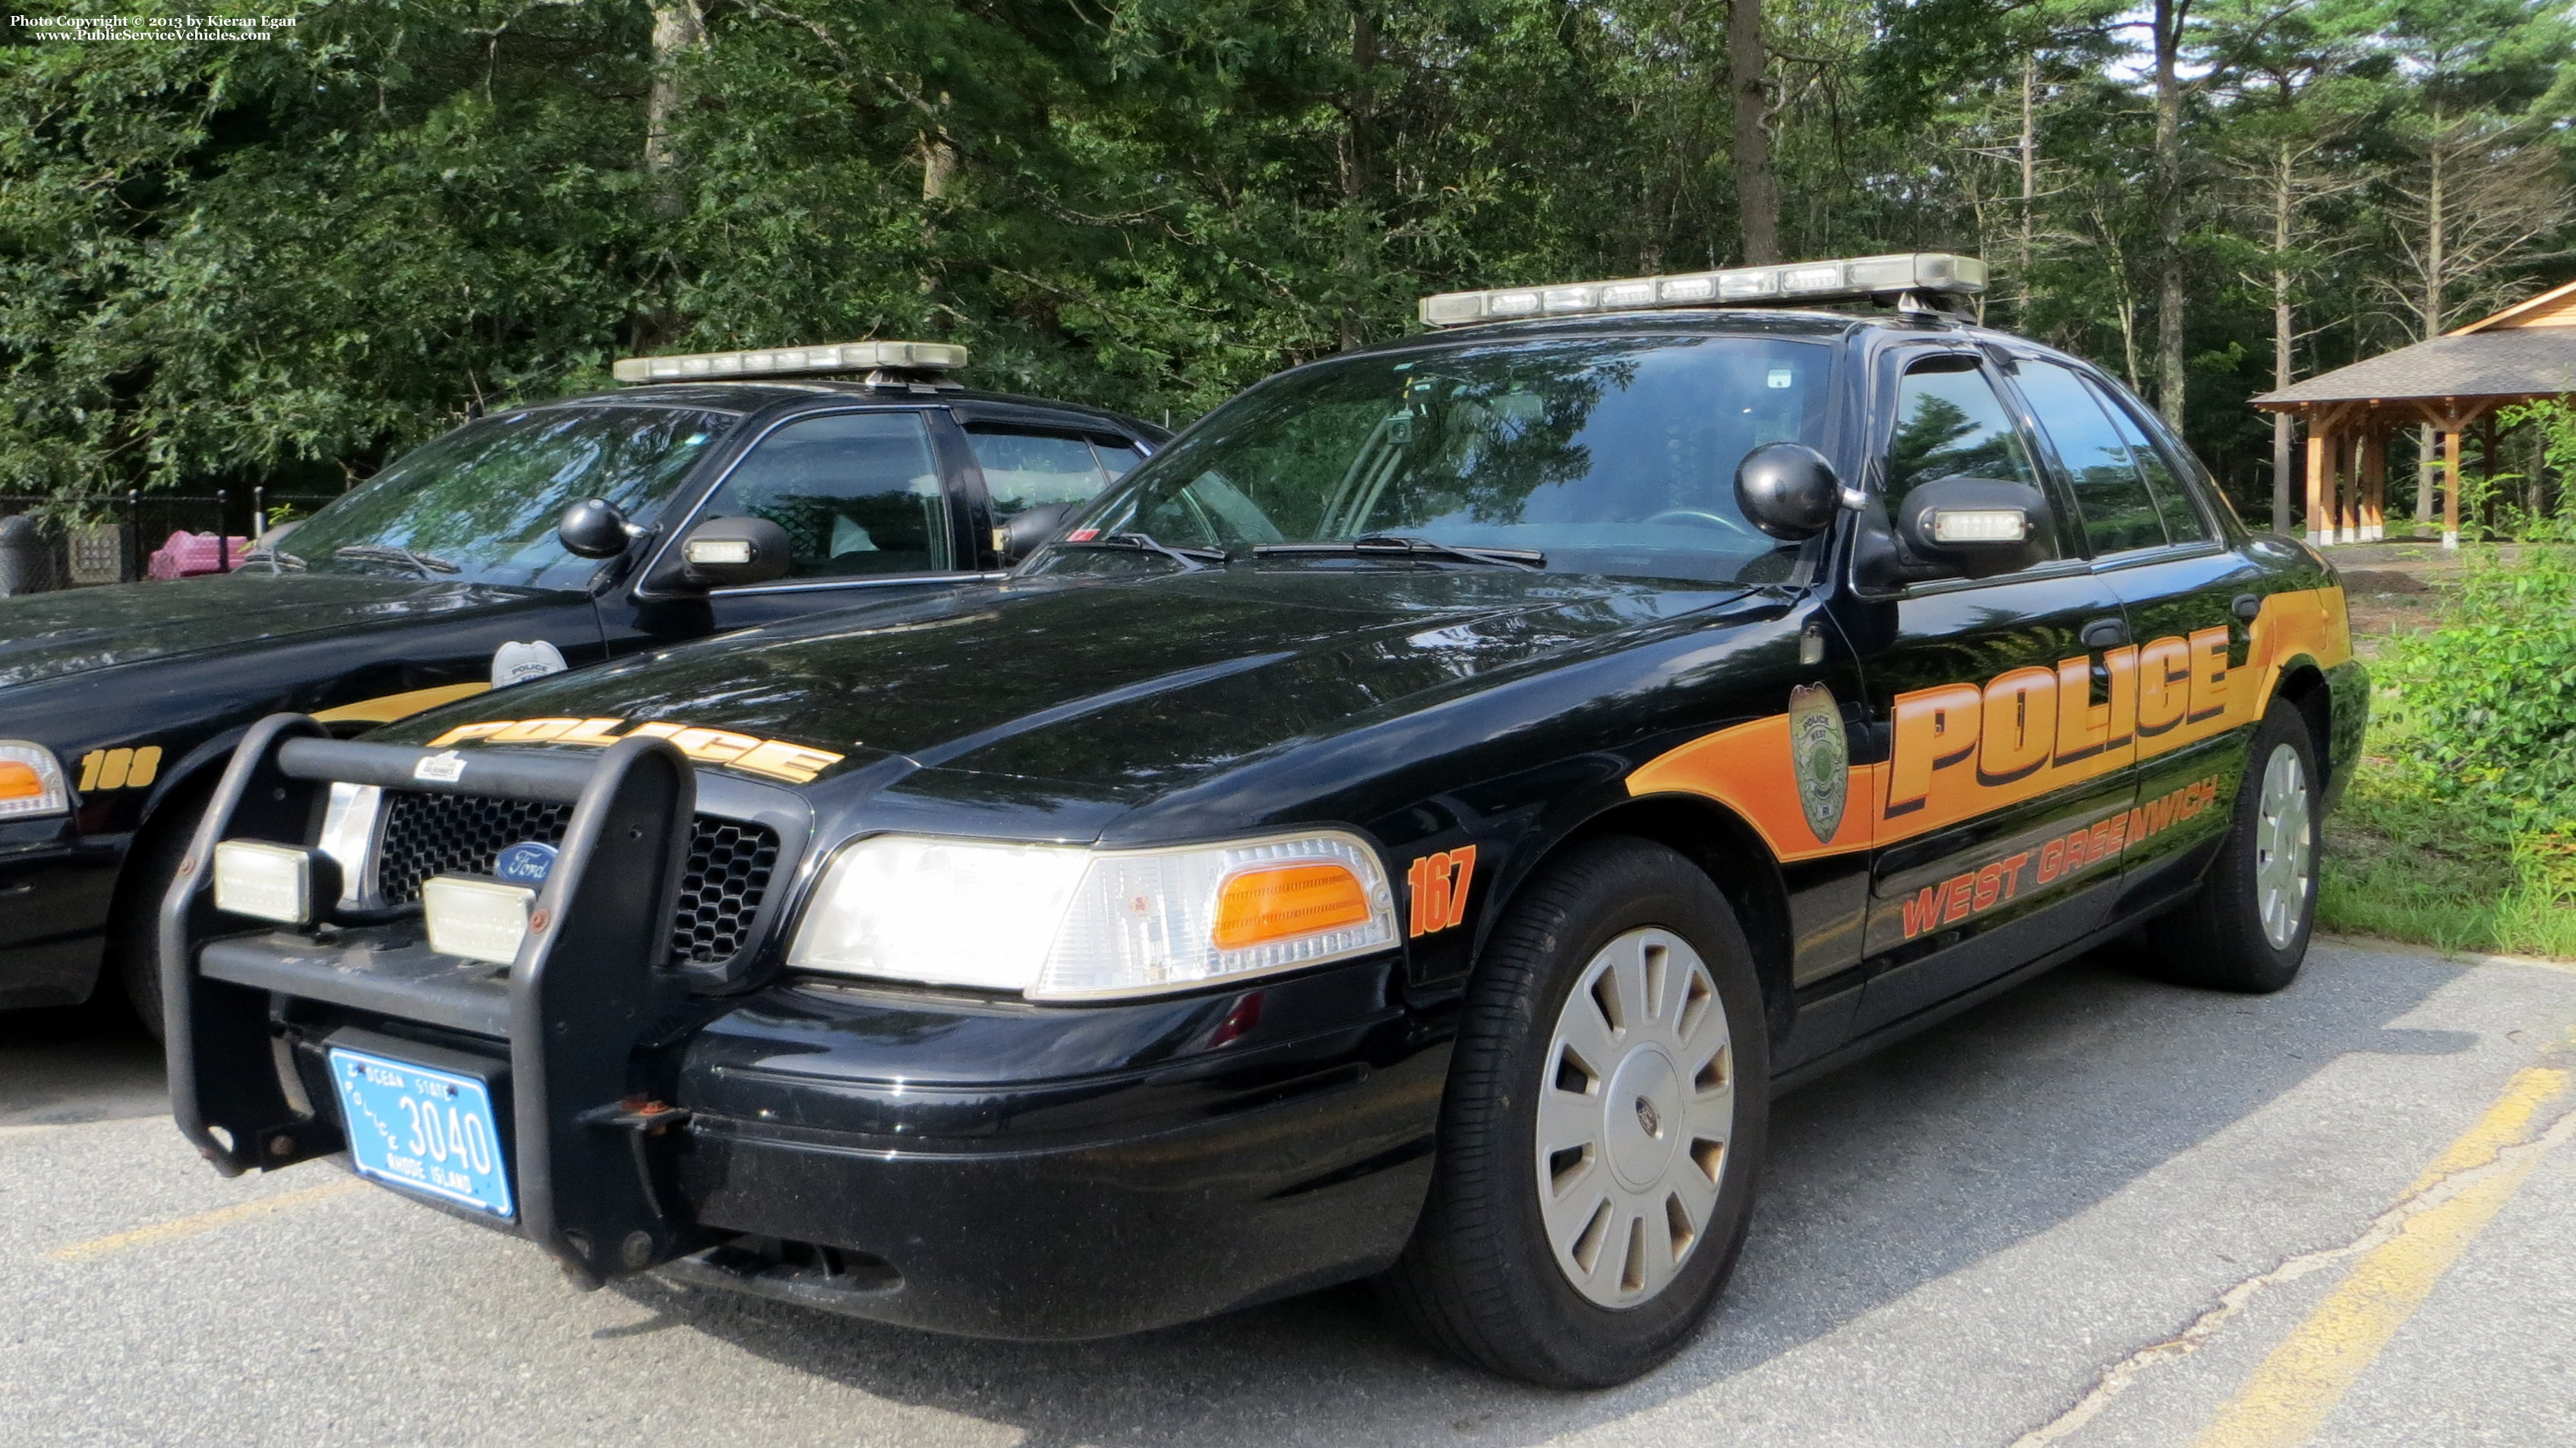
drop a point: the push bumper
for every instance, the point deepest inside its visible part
(947, 1162)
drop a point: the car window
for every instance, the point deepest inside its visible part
(2183, 522)
(1950, 424)
(857, 493)
(480, 504)
(1116, 457)
(1024, 470)
(2119, 512)
(1608, 455)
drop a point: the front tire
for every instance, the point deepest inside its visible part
(1602, 1130)
(2248, 929)
(135, 934)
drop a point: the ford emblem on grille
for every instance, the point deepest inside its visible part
(526, 863)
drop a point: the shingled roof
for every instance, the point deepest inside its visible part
(2509, 362)
(2526, 350)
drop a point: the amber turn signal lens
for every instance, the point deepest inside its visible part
(19, 781)
(1259, 906)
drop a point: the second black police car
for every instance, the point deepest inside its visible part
(1410, 827)
(721, 490)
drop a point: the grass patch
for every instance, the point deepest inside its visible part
(2406, 864)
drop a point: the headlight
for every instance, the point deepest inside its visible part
(1060, 923)
(31, 781)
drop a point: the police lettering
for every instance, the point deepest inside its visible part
(2029, 720)
(776, 758)
(1974, 891)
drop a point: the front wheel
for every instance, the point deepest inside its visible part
(1602, 1129)
(2248, 929)
(135, 934)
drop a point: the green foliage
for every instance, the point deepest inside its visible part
(278, 262)
(2488, 700)
(2459, 830)
(2408, 862)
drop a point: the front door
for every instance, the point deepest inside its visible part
(869, 510)
(2005, 783)
(2192, 601)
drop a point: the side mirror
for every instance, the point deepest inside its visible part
(732, 552)
(1977, 526)
(1029, 527)
(1788, 490)
(594, 528)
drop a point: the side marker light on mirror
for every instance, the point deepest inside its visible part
(1980, 525)
(703, 551)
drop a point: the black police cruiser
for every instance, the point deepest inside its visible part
(729, 489)
(1410, 827)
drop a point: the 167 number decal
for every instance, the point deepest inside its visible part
(1439, 886)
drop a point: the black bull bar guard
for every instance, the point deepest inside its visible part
(590, 1005)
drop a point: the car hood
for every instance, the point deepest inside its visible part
(45, 635)
(1124, 687)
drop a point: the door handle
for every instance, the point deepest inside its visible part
(2246, 606)
(2105, 633)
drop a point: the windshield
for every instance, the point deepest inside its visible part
(480, 504)
(1611, 456)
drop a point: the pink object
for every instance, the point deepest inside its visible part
(187, 555)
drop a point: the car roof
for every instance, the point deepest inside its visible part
(741, 398)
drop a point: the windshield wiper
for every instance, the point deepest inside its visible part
(427, 563)
(277, 559)
(1190, 559)
(1404, 545)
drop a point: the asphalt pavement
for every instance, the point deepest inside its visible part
(2099, 1210)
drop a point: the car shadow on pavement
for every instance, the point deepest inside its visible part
(69, 1064)
(1974, 1136)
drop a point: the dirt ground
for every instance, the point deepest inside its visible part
(2395, 586)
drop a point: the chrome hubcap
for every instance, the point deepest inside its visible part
(1634, 1115)
(2282, 846)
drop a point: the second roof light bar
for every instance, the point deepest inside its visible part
(822, 361)
(1931, 272)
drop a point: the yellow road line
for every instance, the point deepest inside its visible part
(2296, 1387)
(202, 1222)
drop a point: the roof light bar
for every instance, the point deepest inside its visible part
(794, 361)
(1802, 282)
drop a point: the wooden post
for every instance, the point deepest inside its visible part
(2374, 484)
(2348, 488)
(2318, 437)
(2451, 436)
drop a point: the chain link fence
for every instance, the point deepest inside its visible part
(82, 541)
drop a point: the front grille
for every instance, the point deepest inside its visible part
(730, 861)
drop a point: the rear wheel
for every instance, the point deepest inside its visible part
(1602, 1129)
(2248, 929)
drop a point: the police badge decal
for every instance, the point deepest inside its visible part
(1820, 756)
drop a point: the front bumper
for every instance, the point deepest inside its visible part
(943, 1161)
(1068, 1171)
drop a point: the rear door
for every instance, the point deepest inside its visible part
(1037, 462)
(2191, 598)
(2003, 778)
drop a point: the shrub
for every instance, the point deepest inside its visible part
(2487, 702)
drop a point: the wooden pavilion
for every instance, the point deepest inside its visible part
(2448, 383)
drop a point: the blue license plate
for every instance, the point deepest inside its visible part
(424, 1131)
